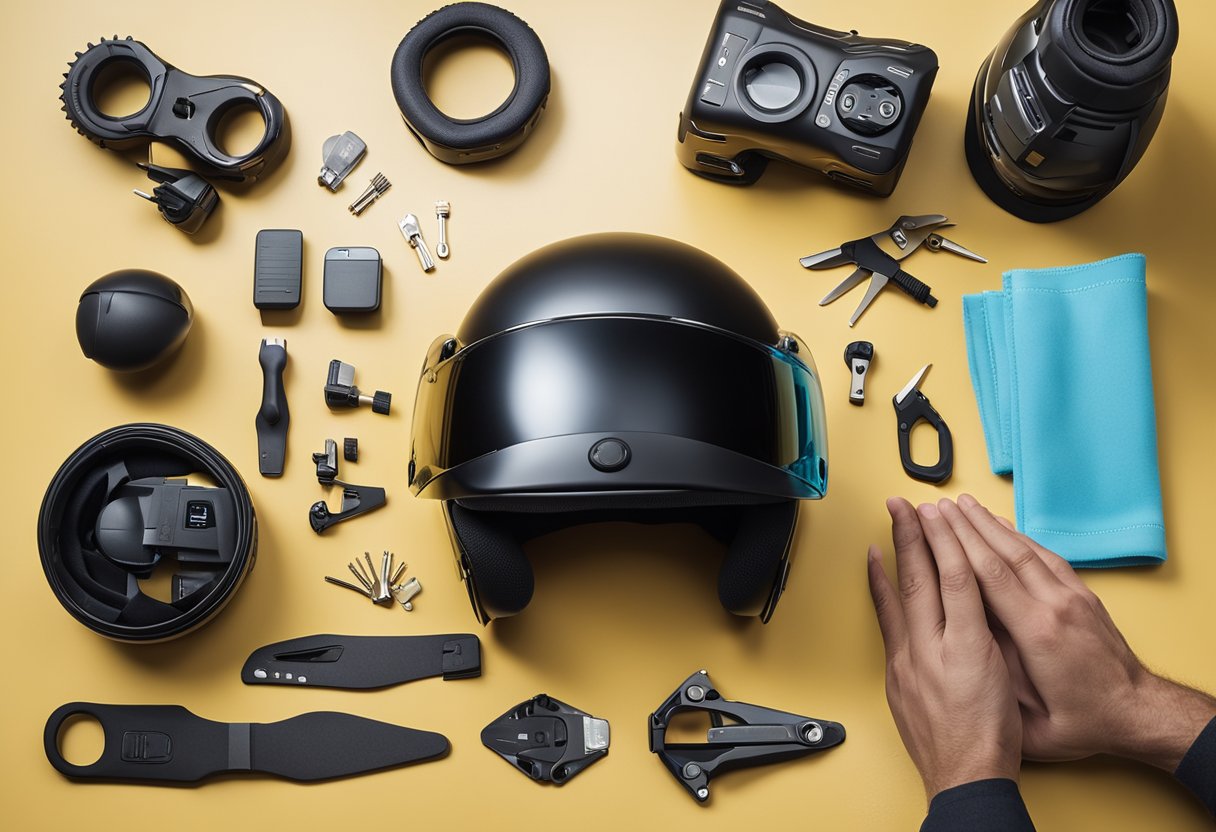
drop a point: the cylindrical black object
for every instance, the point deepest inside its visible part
(1066, 104)
(104, 592)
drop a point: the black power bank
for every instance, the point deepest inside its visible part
(277, 264)
(352, 279)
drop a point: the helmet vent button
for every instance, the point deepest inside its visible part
(609, 455)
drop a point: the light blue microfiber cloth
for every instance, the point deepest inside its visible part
(1060, 364)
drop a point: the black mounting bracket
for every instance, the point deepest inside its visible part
(754, 735)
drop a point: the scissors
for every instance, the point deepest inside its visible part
(877, 257)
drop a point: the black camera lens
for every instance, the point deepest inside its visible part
(772, 86)
(869, 105)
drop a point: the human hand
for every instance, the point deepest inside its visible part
(1081, 689)
(947, 684)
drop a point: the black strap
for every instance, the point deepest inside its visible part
(361, 662)
(169, 743)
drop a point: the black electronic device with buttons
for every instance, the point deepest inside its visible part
(771, 86)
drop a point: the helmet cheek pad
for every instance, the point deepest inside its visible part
(619, 378)
(500, 579)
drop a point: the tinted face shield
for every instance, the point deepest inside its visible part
(694, 409)
(1067, 103)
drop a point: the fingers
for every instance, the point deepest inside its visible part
(1023, 689)
(921, 601)
(1062, 568)
(1002, 591)
(960, 594)
(886, 605)
(1013, 549)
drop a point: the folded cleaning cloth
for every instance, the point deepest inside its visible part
(1060, 364)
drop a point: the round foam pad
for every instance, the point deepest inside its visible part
(450, 139)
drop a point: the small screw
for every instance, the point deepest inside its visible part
(813, 732)
(702, 793)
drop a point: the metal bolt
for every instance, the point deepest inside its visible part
(692, 771)
(702, 793)
(813, 732)
(695, 692)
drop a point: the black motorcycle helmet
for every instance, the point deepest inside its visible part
(1066, 104)
(619, 377)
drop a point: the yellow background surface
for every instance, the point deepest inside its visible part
(621, 614)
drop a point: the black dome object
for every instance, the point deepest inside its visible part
(619, 377)
(132, 319)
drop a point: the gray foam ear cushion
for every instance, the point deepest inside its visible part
(499, 574)
(756, 557)
(528, 59)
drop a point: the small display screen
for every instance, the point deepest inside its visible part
(199, 515)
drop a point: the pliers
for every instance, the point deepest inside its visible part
(877, 257)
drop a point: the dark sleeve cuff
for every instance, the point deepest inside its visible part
(992, 805)
(1197, 771)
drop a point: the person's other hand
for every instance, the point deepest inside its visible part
(947, 683)
(1081, 689)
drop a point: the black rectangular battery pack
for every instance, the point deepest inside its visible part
(352, 279)
(277, 264)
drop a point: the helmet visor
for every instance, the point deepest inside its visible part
(614, 375)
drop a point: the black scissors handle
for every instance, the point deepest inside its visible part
(866, 253)
(916, 408)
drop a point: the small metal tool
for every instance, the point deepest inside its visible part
(405, 592)
(340, 155)
(912, 406)
(857, 357)
(413, 234)
(877, 258)
(373, 192)
(380, 585)
(443, 210)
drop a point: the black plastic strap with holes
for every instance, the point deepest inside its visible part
(168, 743)
(362, 662)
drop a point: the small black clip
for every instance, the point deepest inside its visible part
(356, 500)
(547, 739)
(754, 736)
(327, 463)
(857, 357)
(183, 198)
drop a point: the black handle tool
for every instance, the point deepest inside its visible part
(168, 743)
(912, 406)
(273, 417)
(363, 662)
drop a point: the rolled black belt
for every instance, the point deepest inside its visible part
(120, 508)
(464, 141)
